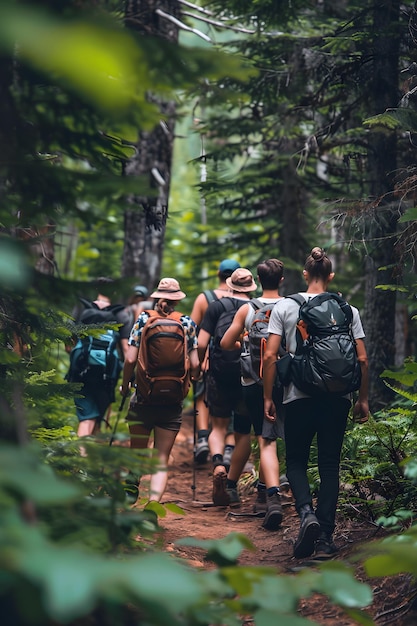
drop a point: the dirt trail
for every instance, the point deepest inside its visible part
(272, 548)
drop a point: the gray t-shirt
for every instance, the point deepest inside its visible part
(284, 319)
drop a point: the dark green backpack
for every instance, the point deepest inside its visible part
(325, 360)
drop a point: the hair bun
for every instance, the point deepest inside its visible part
(318, 254)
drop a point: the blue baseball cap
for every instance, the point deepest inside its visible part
(140, 290)
(228, 265)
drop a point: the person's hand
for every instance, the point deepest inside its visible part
(361, 411)
(270, 410)
(124, 390)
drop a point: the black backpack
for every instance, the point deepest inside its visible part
(210, 296)
(254, 341)
(96, 356)
(225, 364)
(325, 360)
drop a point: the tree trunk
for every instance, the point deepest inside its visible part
(145, 217)
(380, 264)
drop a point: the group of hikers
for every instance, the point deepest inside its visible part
(274, 366)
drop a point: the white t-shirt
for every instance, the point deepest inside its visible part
(284, 319)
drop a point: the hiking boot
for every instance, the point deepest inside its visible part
(201, 451)
(227, 456)
(234, 499)
(260, 505)
(273, 516)
(325, 547)
(308, 533)
(220, 496)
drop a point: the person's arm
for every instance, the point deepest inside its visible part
(203, 342)
(233, 335)
(128, 369)
(194, 364)
(199, 308)
(270, 357)
(361, 407)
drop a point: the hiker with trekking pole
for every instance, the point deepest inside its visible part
(163, 350)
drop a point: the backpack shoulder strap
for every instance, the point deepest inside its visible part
(210, 296)
(256, 304)
(175, 315)
(297, 297)
(228, 304)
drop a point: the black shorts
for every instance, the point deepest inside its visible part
(167, 416)
(224, 401)
(254, 402)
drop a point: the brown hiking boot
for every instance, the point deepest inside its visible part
(273, 516)
(220, 497)
(260, 505)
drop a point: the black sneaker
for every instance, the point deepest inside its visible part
(325, 547)
(260, 505)
(201, 451)
(227, 456)
(234, 498)
(308, 533)
(273, 516)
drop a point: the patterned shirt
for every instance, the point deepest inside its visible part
(189, 326)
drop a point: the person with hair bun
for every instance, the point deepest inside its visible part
(305, 417)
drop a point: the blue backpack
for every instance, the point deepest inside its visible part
(96, 356)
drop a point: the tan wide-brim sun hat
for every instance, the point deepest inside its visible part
(241, 280)
(168, 288)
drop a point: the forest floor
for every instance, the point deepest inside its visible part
(391, 605)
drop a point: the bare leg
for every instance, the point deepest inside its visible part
(87, 428)
(217, 436)
(269, 464)
(202, 414)
(164, 441)
(240, 456)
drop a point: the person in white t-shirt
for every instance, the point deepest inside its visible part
(305, 417)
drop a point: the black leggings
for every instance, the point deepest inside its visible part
(304, 418)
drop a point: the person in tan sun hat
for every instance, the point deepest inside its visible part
(241, 281)
(159, 408)
(224, 391)
(168, 288)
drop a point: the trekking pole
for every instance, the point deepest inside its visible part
(122, 403)
(193, 486)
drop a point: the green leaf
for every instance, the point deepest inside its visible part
(223, 551)
(360, 617)
(174, 508)
(340, 585)
(22, 472)
(394, 119)
(157, 508)
(407, 375)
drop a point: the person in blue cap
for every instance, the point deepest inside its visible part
(201, 449)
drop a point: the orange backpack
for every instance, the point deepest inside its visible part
(163, 367)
